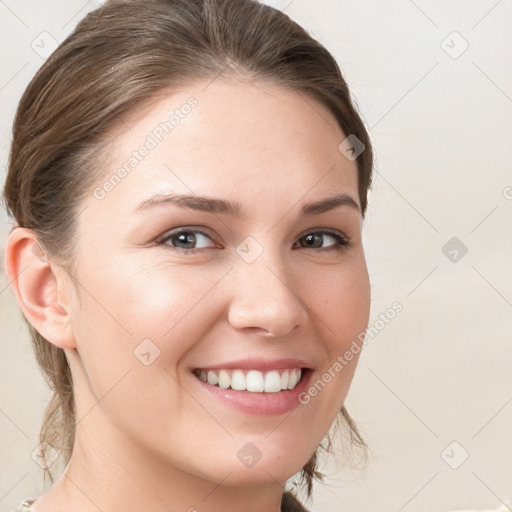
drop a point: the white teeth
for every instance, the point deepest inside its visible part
(293, 379)
(272, 382)
(212, 378)
(284, 379)
(224, 379)
(238, 380)
(255, 382)
(252, 380)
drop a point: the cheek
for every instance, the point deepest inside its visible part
(125, 314)
(132, 331)
(341, 299)
(144, 301)
(341, 303)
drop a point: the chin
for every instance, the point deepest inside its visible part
(267, 470)
(259, 475)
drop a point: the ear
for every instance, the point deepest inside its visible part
(38, 284)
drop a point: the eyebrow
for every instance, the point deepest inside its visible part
(234, 209)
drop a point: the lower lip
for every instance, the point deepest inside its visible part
(259, 404)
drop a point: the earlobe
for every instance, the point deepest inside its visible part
(36, 282)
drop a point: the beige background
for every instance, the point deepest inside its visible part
(441, 371)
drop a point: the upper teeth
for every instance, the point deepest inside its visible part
(252, 380)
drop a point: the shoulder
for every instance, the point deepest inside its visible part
(23, 507)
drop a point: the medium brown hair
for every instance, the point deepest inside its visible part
(119, 57)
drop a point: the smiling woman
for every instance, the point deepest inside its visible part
(184, 298)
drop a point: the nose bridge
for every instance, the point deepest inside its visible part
(263, 294)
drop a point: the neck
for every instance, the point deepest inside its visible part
(109, 472)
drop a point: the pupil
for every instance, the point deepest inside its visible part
(311, 238)
(187, 238)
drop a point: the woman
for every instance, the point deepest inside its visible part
(188, 181)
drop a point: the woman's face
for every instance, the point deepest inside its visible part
(169, 288)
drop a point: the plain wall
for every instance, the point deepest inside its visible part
(435, 383)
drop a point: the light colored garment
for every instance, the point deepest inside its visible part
(24, 507)
(506, 507)
(289, 503)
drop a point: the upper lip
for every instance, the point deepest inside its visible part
(259, 364)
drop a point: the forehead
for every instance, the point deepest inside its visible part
(230, 139)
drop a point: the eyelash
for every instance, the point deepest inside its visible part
(342, 241)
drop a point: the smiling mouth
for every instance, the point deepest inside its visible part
(252, 381)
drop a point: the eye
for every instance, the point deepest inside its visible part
(316, 239)
(190, 240)
(187, 239)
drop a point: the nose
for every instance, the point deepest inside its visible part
(264, 299)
